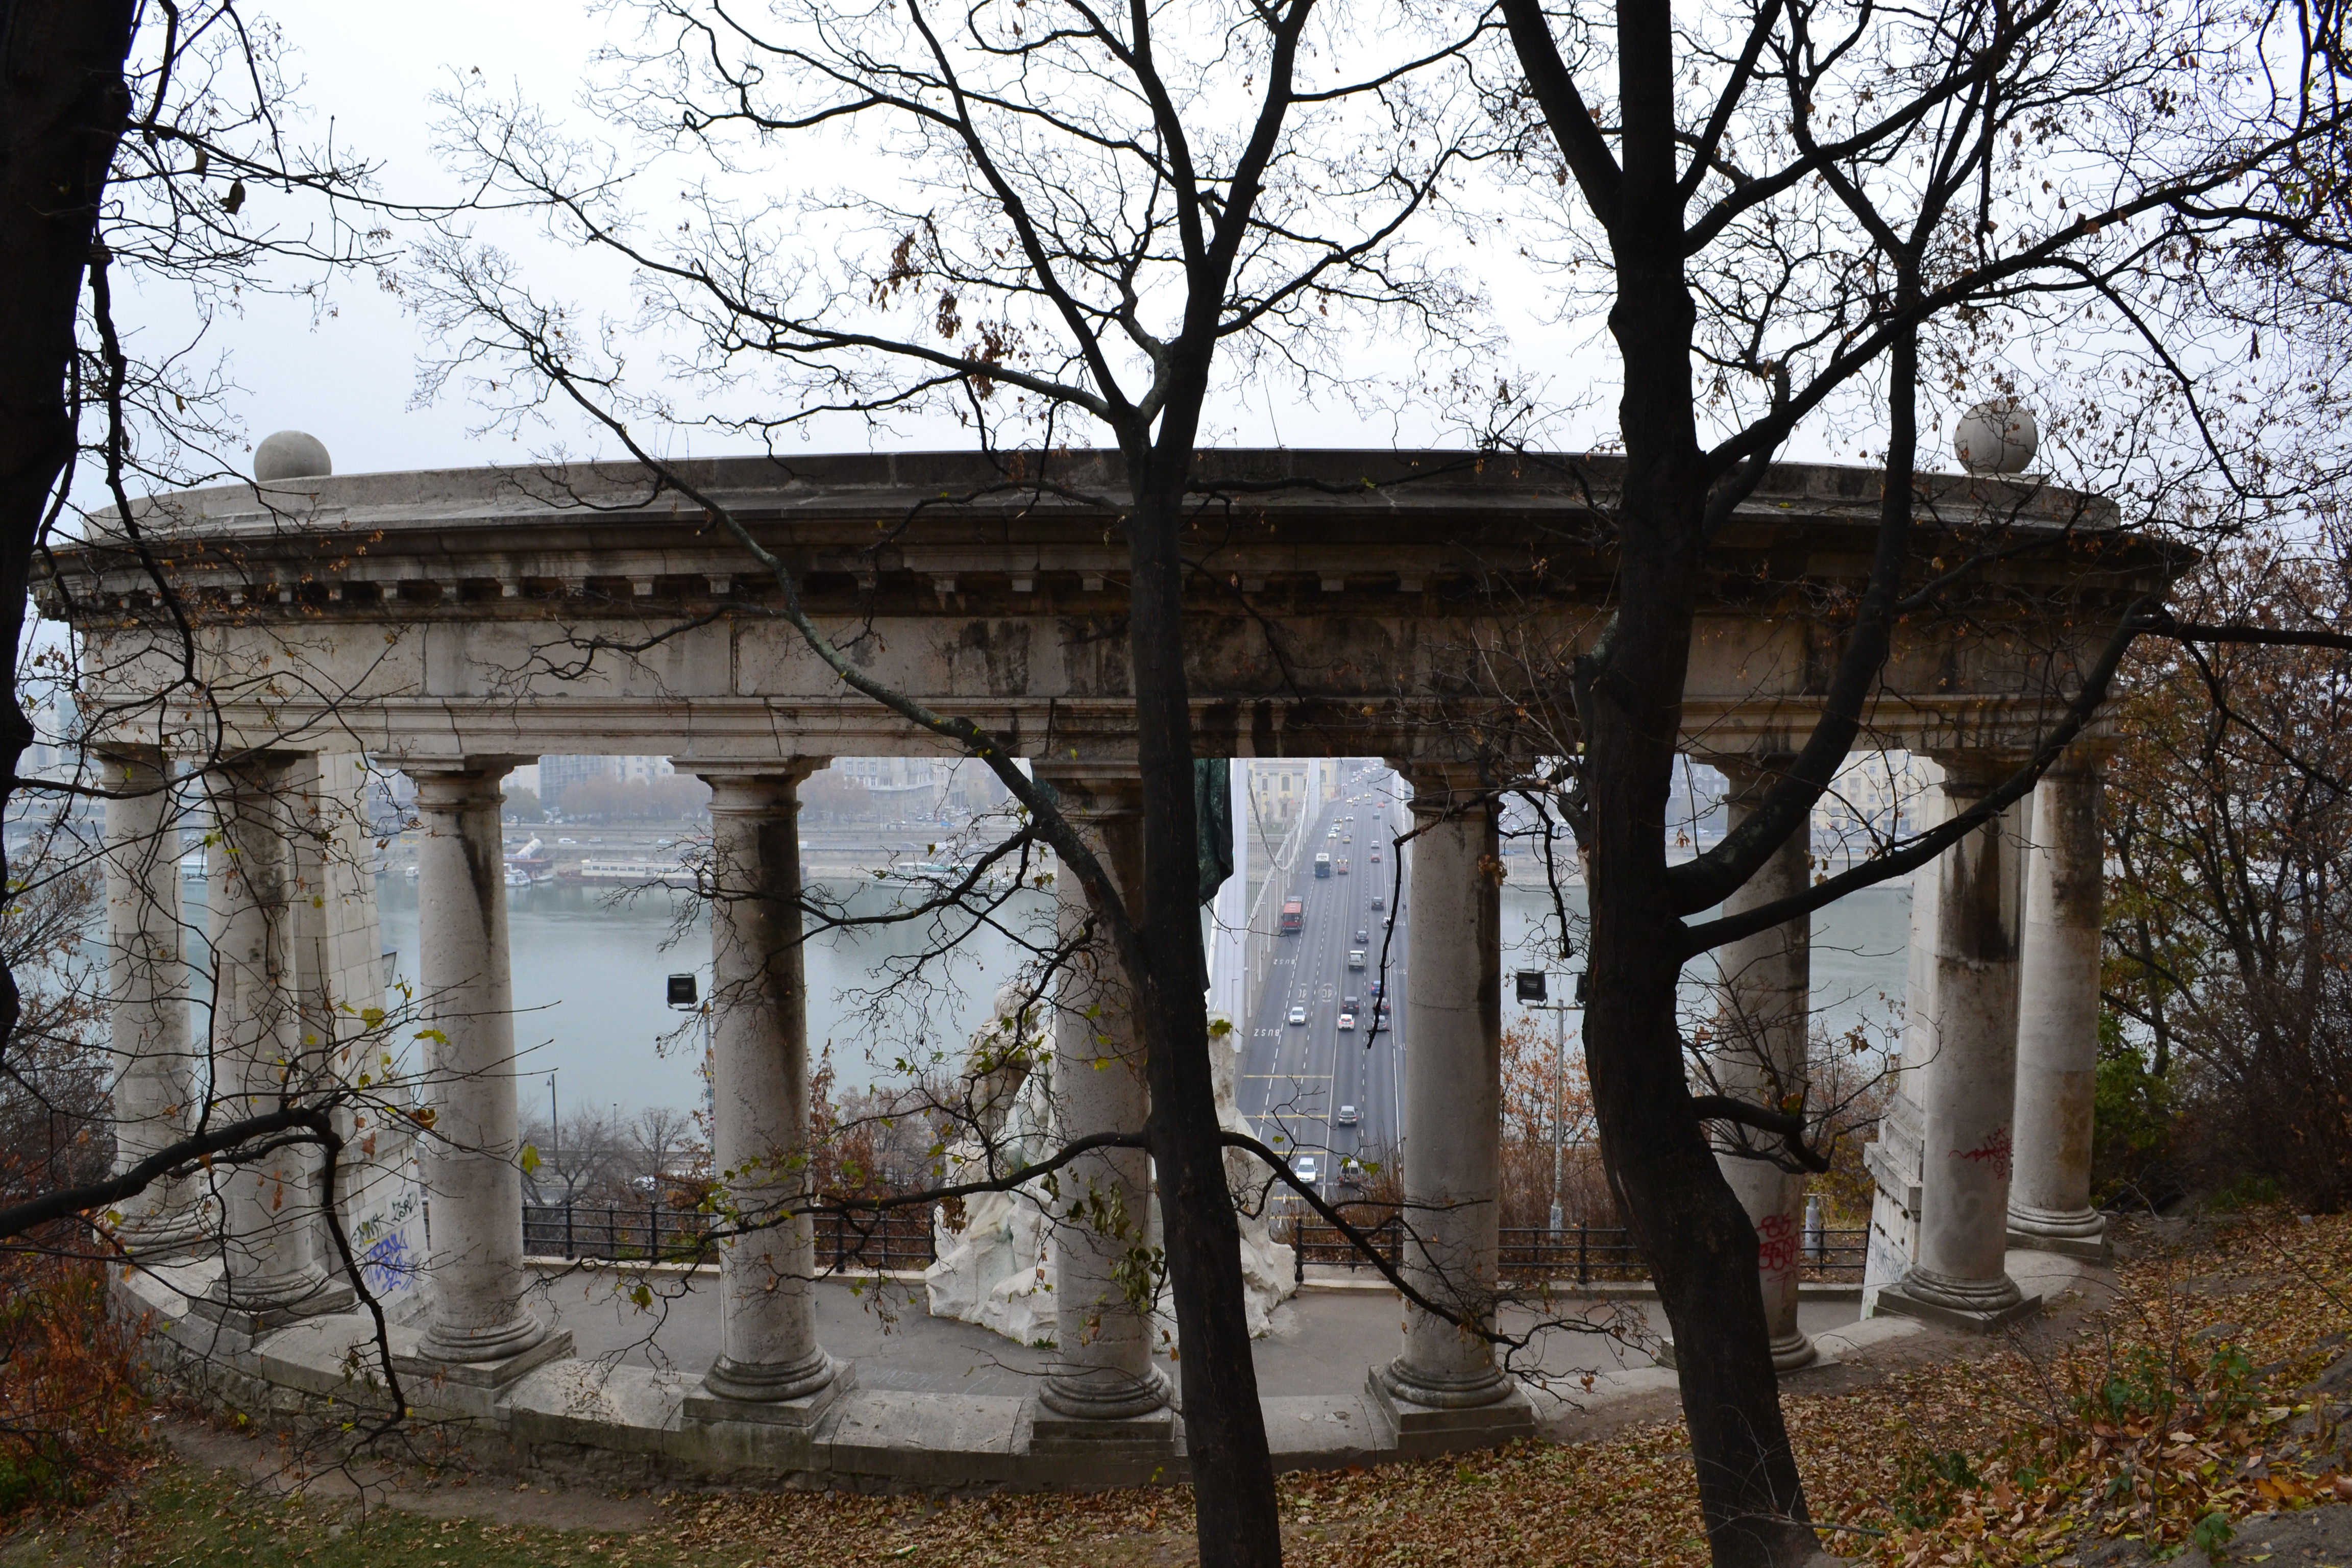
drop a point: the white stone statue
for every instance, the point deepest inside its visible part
(998, 1270)
(1269, 1275)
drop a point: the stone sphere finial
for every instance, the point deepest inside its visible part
(1998, 437)
(290, 455)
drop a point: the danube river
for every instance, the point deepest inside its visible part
(589, 983)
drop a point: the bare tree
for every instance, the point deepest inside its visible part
(1789, 209)
(1094, 220)
(2228, 828)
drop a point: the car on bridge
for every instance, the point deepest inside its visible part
(1380, 901)
(1298, 1014)
(1347, 1117)
(1307, 1169)
(1362, 934)
(1348, 1022)
(1355, 958)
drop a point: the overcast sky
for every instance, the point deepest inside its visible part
(349, 376)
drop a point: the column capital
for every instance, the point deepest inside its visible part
(455, 791)
(758, 795)
(766, 771)
(1442, 786)
(2085, 755)
(1973, 770)
(240, 769)
(1749, 773)
(132, 753)
(495, 765)
(1093, 789)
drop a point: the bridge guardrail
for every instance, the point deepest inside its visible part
(617, 1234)
(1588, 1254)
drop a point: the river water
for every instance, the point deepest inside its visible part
(589, 982)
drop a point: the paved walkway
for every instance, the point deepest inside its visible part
(1323, 1339)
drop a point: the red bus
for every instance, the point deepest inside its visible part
(1294, 916)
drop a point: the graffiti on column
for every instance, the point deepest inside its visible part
(1776, 1244)
(1993, 1152)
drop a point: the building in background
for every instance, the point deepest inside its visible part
(557, 775)
(900, 787)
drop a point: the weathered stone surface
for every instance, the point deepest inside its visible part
(382, 603)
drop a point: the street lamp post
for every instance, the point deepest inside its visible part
(1532, 988)
(683, 999)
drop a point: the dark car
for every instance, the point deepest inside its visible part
(1362, 934)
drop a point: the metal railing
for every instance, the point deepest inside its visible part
(900, 1239)
(1587, 1253)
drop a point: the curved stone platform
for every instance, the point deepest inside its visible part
(1413, 607)
(930, 1402)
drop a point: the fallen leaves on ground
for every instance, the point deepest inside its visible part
(2217, 1387)
(2175, 1411)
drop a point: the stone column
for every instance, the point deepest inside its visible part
(1961, 1276)
(2058, 1016)
(1761, 1055)
(769, 1366)
(1446, 1386)
(1102, 1366)
(270, 1273)
(155, 1079)
(1893, 1157)
(480, 1331)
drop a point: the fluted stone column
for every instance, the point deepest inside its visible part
(1961, 1276)
(1445, 1383)
(481, 1331)
(769, 1366)
(154, 1078)
(1761, 1053)
(270, 1273)
(1102, 1368)
(1893, 1156)
(2058, 1016)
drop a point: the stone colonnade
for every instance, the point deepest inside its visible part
(2000, 1048)
(1986, 1144)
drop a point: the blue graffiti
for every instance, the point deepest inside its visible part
(387, 1265)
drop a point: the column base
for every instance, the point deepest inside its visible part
(1972, 1306)
(1794, 1350)
(163, 1237)
(1150, 1437)
(2079, 1233)
(1103, 1395)
(495, 1373)
(722, 1395)
(1795, 1353)
(769, 1383)
(500, 1342)
(256, 1307)
(1419, 1428)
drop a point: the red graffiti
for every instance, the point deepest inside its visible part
(1776, 1244)
(1994, 1151)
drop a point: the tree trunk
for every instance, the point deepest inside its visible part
(1701, 1248)
(63, 105)
(1233, 1471)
